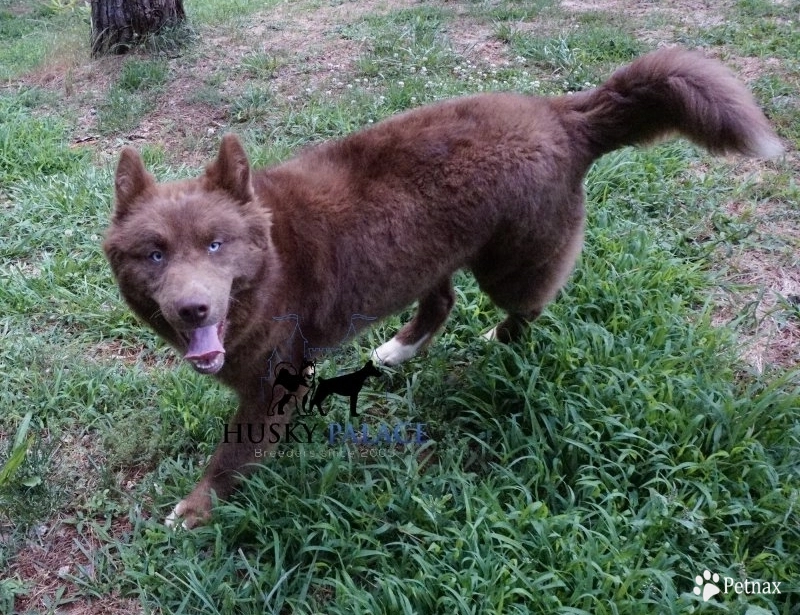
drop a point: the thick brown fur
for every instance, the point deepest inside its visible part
(369, 224)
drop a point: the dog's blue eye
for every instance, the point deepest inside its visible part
(214, 246)
(156, 256)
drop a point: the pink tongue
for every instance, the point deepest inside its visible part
(204, 344)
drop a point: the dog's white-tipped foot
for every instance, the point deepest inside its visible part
(490, 335)
(395, 352)
(174, 519)
(194, 509)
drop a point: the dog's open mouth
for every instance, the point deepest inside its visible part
(205, 350)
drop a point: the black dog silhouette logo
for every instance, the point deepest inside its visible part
(295, 385)
(347, 385)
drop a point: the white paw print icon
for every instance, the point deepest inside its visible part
(707, 585)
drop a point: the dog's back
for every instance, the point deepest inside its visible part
(491, 183)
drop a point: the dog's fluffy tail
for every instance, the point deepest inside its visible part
(673, 91)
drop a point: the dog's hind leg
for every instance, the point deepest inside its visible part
(511, 327)
(528, 288)
(431, 314)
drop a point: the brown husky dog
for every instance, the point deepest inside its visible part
(368, 224)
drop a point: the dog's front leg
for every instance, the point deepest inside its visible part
(249, 436)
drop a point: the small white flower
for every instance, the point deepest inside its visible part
(68, 233)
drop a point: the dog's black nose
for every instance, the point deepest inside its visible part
(192, 311)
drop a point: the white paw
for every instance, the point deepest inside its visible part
(490, 335)
(395, 352)
(175, 516)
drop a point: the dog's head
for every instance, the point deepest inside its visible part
(181, 251)
(370, 370)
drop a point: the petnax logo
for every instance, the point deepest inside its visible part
(709, 584)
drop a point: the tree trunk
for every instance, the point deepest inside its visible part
(117, 25)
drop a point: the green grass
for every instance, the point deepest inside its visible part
(515, 11)
(578, 58)
(35, 31)
(758, 28)
(402, 39)
(133, 95)
(222, 11)
(594, 468)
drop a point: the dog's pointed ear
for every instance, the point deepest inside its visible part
(231, 170)
(130, 182)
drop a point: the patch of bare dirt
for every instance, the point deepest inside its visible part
(308, 50)
(767, 287)
(696, 12)
(121, 351)
(582, 6)
(56, 553)
(656, 23)
(475, 39)
(750, 69)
